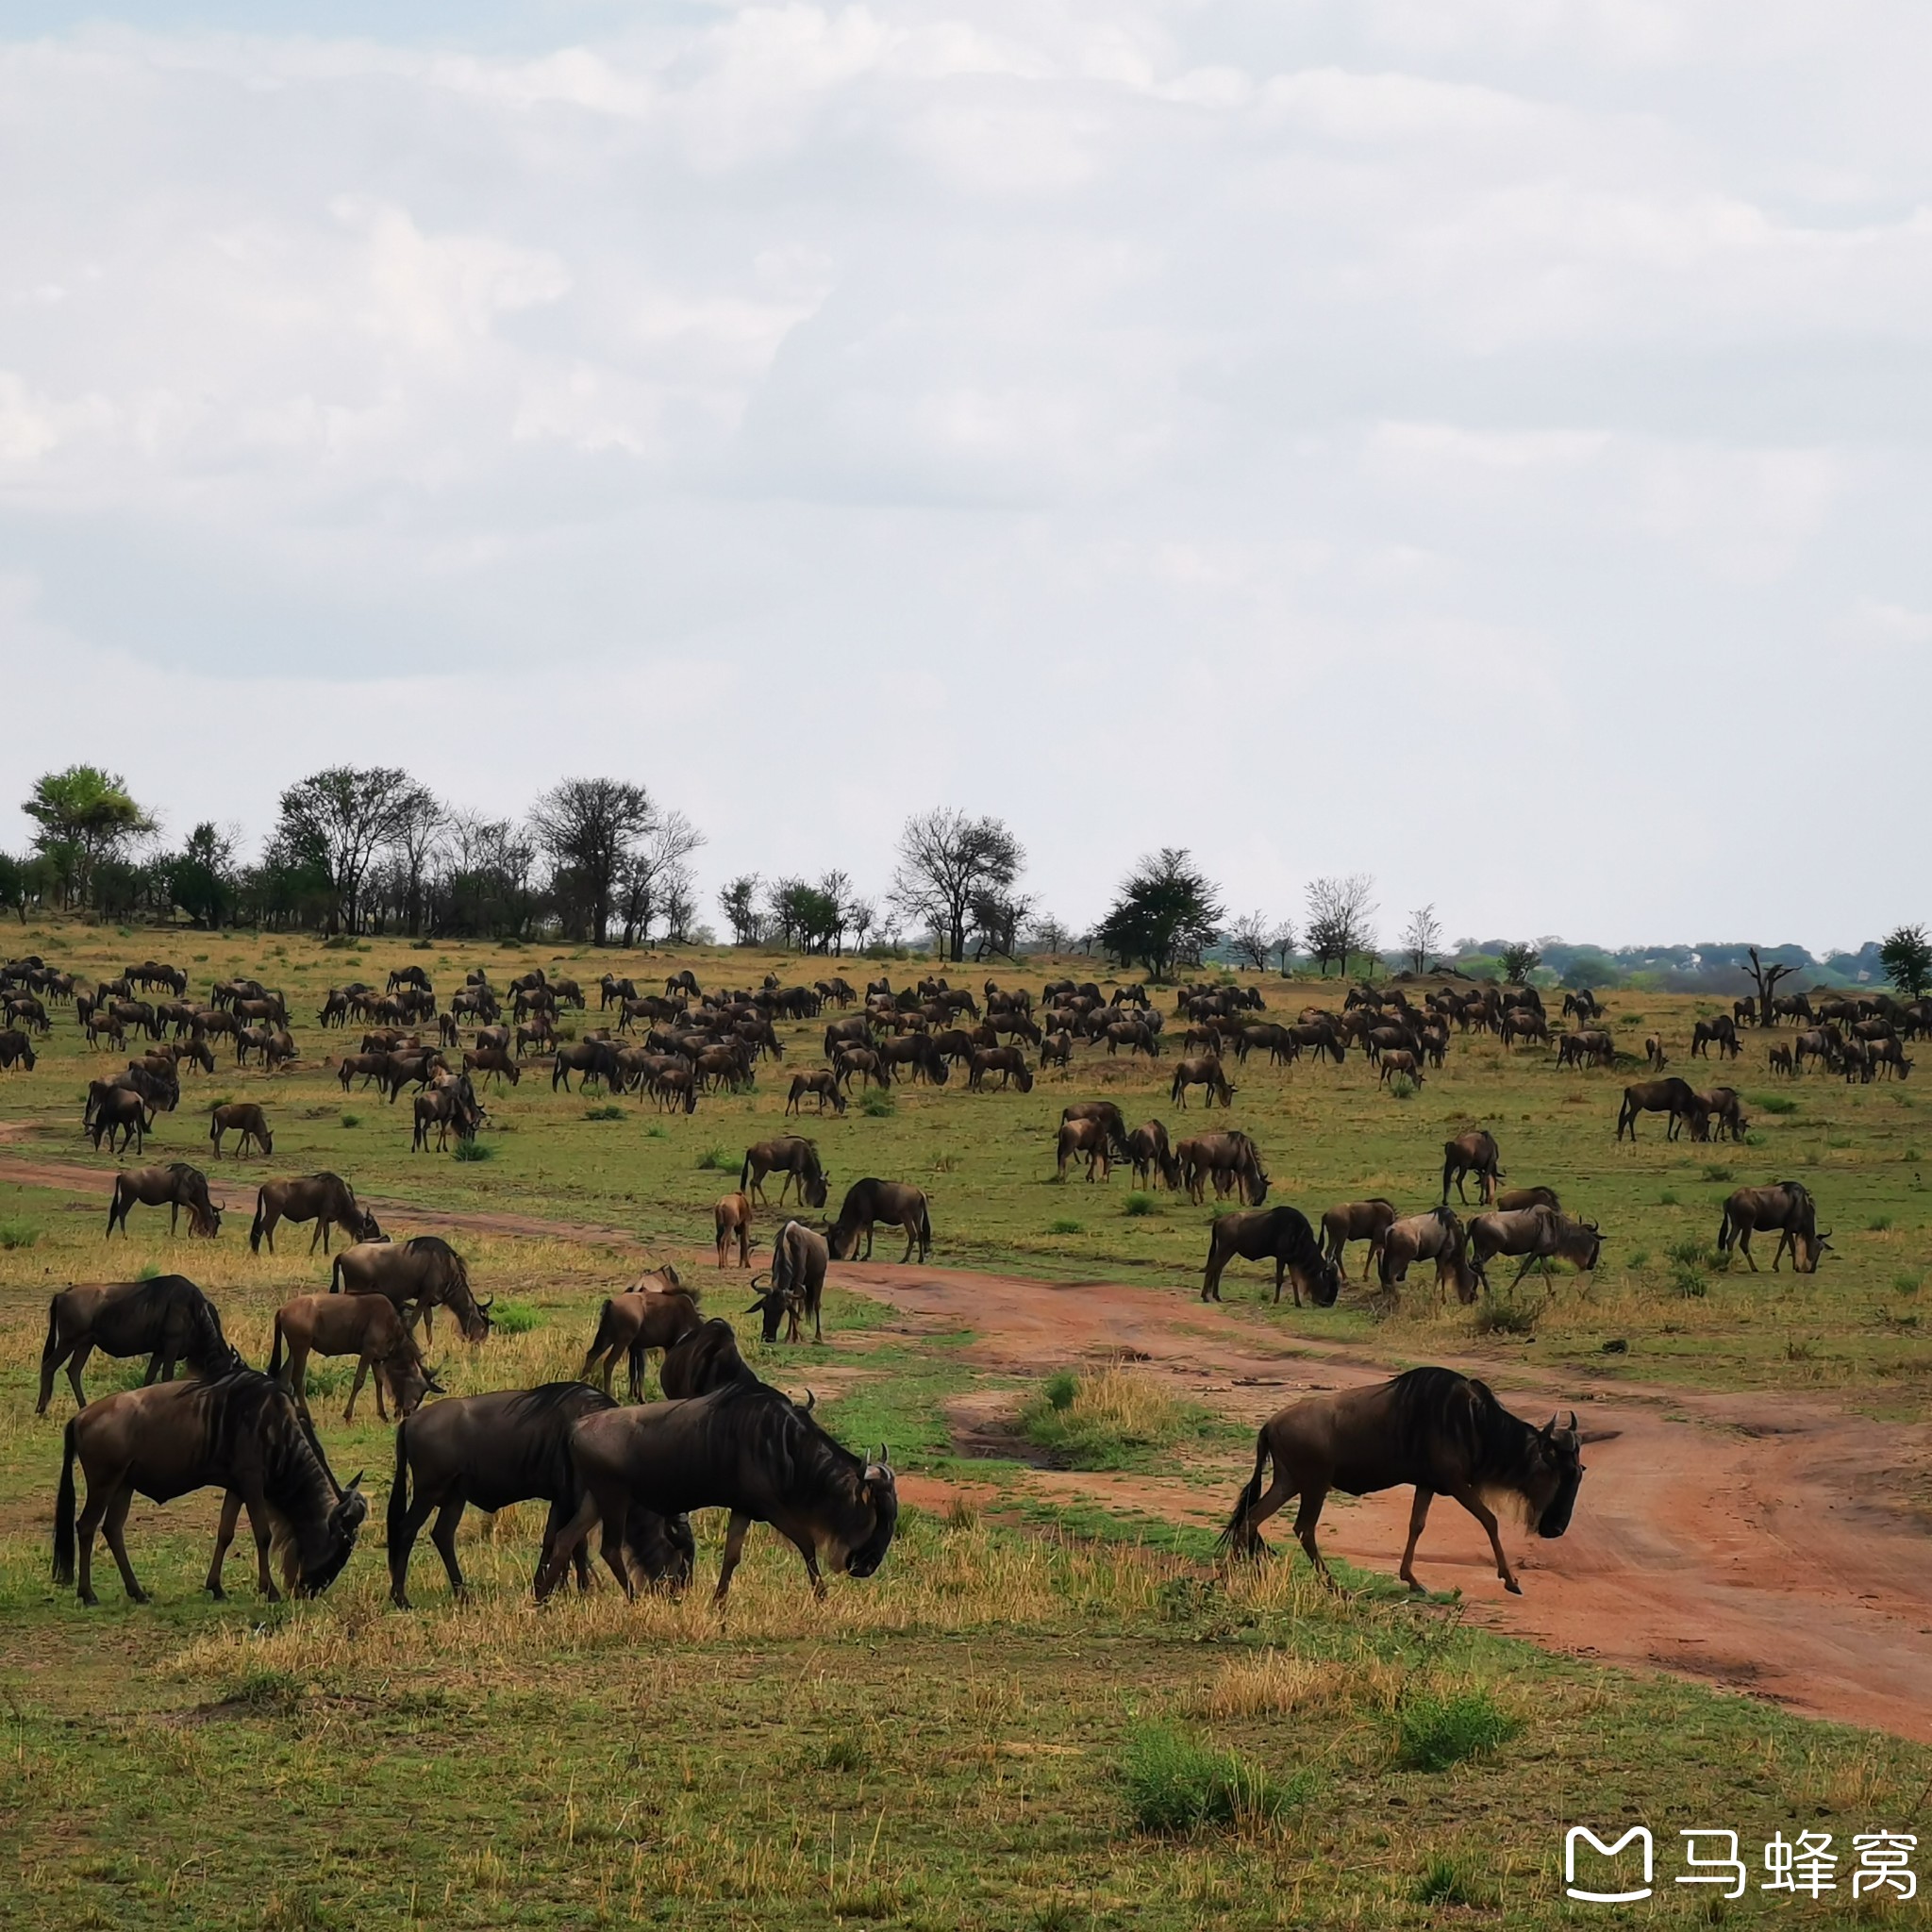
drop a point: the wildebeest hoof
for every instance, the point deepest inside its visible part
(89, 1600)
(139, 1596)
(216, 1593)
(1514, 1588)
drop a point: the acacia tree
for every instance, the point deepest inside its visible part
(948, 859)
(1519, 959)
(86, 816)
(738, 902)
(1341, 911)
(341, 819)
(1421, 937)
(588, 826)
(1905, 954)
(1166, 910)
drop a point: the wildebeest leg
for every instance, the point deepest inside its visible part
(113, 1525)
(1784, 1241)
(355, 1389)
(173, 1220)
(50, 1361)
(1530, 1261)
(1417, 1517)
(734, 1548)
(1743, 1244)
(912, 1241)
(610, 1547)
(224, 1535)
(1305, 1518)
(810, 1555)
(444, 1536)
(1487, 1517)
(74, 1364)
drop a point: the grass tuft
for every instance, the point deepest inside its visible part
(875, 1104)
(604, 1113)
(514, 1318)
(1063, 1226)
(720, 1159)
(15, 1233)
(1177, 1785)
(1506, 1315)
(1433, 1733)
(352, 1120)
(1102, 1421)
(474, 1150)
(1137, 1203)
(1443, 1882)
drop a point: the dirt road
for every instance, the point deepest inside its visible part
(1753, 1541)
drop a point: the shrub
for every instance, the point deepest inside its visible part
(1774, 1103)
(1061, 1388)
(1137, 1203)
(604, 1113)
(1100, 1421)
(474, 1150)
(1433, 1733)
(1878, 1223)
(1444, 1883)
(721, 1158)
(1637, 1258)
(1063, 1226)
(18, 1234)
(1404, 1087)
(1177, 1785)
(1667, 1199)
(875, 1102)
(1507, 1317)
(514, 1318)
(352, 1120)
(1907, 1282)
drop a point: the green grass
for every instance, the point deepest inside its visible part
(1176, 1785)
(1433, 1733)
(875, 1104)
(1139, 1204)
(473, 1150)
(604, 1113)
(514, 1318)
(720, 1160)
(16, 1233)
(1444, 1881)
(1065, 1225)
(1108, 1419)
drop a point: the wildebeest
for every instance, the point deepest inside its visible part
(1355, 1221)
(241, 1434)
(1148, 1148)
(1435, 1236)
(1083, 1137)
(1780, 1060)
(174, 1187)
(745, 1448)
(869, 1201)
(1056, 1049)
(1588, 1047)
(1673, 1096)
(1445, 1432)
(1654, 1052)
(112, 1110)
(1281, 1234)
(799, 1257)
(1789, 1208)
(1537, 1234)
(16, 1050)
(590, 1060)
(243, 1119)
(1724, 1107)
(792, 1156)
(731, 1220)
(1008, 1062)
(1203, 1070)
(1512, 1199)
(1723, 1030)
(1113, 1123)
(424, 1269)
(325, 1199)
(652, 1313)
(1228, 1159)
(364, 1326)
(1400, 1060)
(449, 1103)
(704, 1360)
(166, 1318)
(822, 1082)
(1817, 1042)
(495, 1450)
(1474, 1153)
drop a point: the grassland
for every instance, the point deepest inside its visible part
(956, 1743)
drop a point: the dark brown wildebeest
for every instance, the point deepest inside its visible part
(822, 1082)
(1889, 1055)
(685, 982)
(898, 1204)
(1723, 1108)
(1148, 1148)
(1088, 1137)
(864, 1060)
(705, 1359)
(174, 1187)
(653, 1312)
(1202, 1071)
(425, 1270)
(447, 1104)
(1672, 1096)
(241, 1434)
(731, 1220)
(1817, 1042)
(325, 1199)
(112, 1110)
(1474, 1153)
(1280, 1043)
(1519, 1022)
(1781, 1061)
(1008, 1062)
(363, 1325)
(1320, 1036)
(1281, 1234)
(1789, 1208)
(243, 1119)
(800, 1256)
(1110, 1118)
(1056, 1049)
(509, 1446)
(1435, 1236)
(369, 1066)
(1588, 1047)
(1855, 1057)
(166, 1318)
(792, 1156)
(1513, 1200)
(16, 1050)
(1230, 1160)
(745, 1448)
(1539, 1235)
(1445, 1432)
(854, 1029)
(1722, 1029)
(1400, 1060)
(1355, 1221)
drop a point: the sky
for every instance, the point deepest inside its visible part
(1484, 443)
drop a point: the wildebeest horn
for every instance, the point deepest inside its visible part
(757, 1307)
(1573, 1422)
(484, 1308)
(355, 1482)
(811, 1401)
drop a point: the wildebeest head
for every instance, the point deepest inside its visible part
(1554, 1470)
(774, 1303)
(368, 1228)
(878, 1488)
(344, 1521)
(815, 1186)
(1814, 1247)
(1319, 1280)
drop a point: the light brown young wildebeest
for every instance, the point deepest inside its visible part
(241, 1434)
(1445, 1432)
(1355, 1221)
(424, 1270)
(799, 1259)
(792, 1156)
(243, 1119)
(1088, 1136)
(654, 1313)
(325, 1199)
(1230, 1159)
(1436, 1236)
(1789, 1208)
(823, 1083)
(1474, 1153)
(174, 1187)
(364, 1326)
(731, 1220)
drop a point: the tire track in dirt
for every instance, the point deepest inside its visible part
(1755, 1542)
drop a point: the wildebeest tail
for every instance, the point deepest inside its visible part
(63, 1510)
(600, 1341)
(51, 1347)
(744, 1172)
(335, 1276)
(255, 1231)
(1724, 1230)
(924, 1226)
(274, 1359)
(399, 1521)
(1240, 1537)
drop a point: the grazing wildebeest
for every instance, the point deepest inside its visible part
(1511, 1200)
(1722, 1029)
(493, 1063)
(731, 1222)
(1588, 1047)
(705, 1359)
(1204, 1070)
(1281, 1234)
(325, 1199)
(800, 1256)
(1355, 1221)
(363, 1325)
(654, 1313)
(822, 1082)
(865, 1061)
(241, 1434)
(165, 1317)
(1890, 1055)
(507, 1447)
(1148, 1148)
(1781, 1061)
(1474, 1153)
(1400, 1060)
(1008, 1062)
(1672, 1096)
(1087, 1137)
(1654, 1052)
(1817, 1042)
(447, 1105)
(897, 1203)
(174, 1187)
(590, 1060)
(1445, 1432)
(1789, 1208)
(1435, 1236)
(792, 1156)
(1724, 1107)
(1538, 1234)
(1230, 1160)
(745, 1448)
(246, 1121)
(112, 1108)
(425, 1270)
(1112, 1121)
(16, 1050)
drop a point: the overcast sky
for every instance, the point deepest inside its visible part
(1481, 442)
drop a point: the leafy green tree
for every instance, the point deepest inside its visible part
(14, 892)
(341, 819)
(590, 827)
(739, 903)
(201, 876)
(84, 815)
(1907, 955)
(1519, 959)
(1166, 910)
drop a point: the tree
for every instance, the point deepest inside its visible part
(1251, 935)
(1166, 910)
(653, 870)
(1283, 943)
(1046, 933)
(1341, 911)
(947, 860)
(738, 902)
(84, 815)
(422, 822)
(864, 916)
(1519, 959)
(341, 819)
(1766, 978)
(1907, 955)
(201, 877)
(1421, 937)
(15, 884)
(588, 826)
(996, 920)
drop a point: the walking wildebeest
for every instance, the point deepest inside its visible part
(745, 1448)
(654, 1313)
(165, 1317)
(363, 1325)
(241, 1434)
(1789, 1208)
(731, 1220)
(1110, 1118)
(425, 1270)
(1445, 1432)
(1474, 1153)
(509, 1446)
(792, 1156)
(246, 1121)
(1204, 1070)
(1008, 1062)
(1281, 1234)
(799, 1259)
(110, 1108)
(1780, 1060)
(325, 1199)
(1228, 1159)
(1672, 1096)
(1355, 1221)
(174, 1187)
(897, 1203)
(822, 1082)
(1722, 1029)
(1538, 1234)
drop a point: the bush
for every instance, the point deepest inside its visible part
(1137, 1203)
(1907, 1282)
(1063, 1226)
(1100, 1421)
(721, 1158)
(604, 1113)
(352, 1120)
(1507, 1317)
(18, 1234)
(474, 1150)
(514, 1318)
(1433, 1733)
(1774, 1103)
(1061, 1388)
(875, 1104)
(1176, 1785)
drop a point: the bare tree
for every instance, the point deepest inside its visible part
(1341, 913)
(589, 826)
(1283, 942)
(424, 820)
(1766, 978)
(864, 916)
(650, 869)
(1046, 933)
(1251, 935)
(341, 818)
(1421, 937)
(946, 861)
